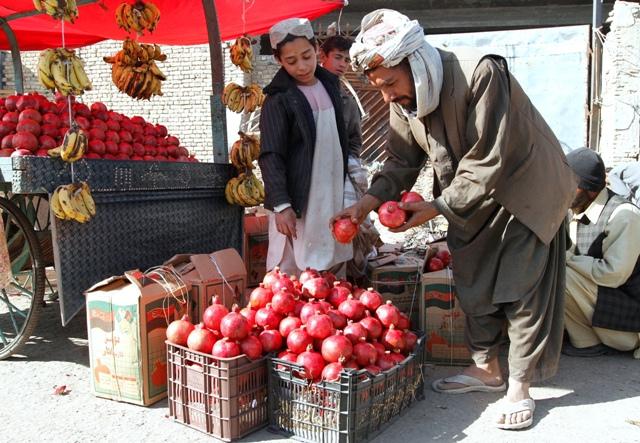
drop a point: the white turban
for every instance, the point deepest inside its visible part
(300, 27)
(386, 38)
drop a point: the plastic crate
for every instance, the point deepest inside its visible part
(354, 409)
(225, 398)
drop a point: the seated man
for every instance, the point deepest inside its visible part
(602, 311)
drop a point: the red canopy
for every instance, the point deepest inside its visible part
(182, 22)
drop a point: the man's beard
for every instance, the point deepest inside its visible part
(580, 202)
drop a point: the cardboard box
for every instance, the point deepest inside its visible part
(397, 278)
(255, 247)
(127, 318)
(221, 273)
(442, 320)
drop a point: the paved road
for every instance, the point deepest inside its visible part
(590, 400)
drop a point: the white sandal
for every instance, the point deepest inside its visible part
(471, 384)
(513, 408)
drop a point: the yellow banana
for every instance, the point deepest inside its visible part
(78, 69)
(228, 194)
(59, 73)
(87, 198)
(55, 205)
(73, 208)
(55, 152)
(156, 71)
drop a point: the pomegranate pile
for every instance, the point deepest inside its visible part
(31, 125)
(439, 261)
(315, 321)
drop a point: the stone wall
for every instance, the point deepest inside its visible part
(185, 106)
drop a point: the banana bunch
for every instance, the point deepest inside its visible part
(242, 98)
(73, 145)
(245, 190)
(139, 17)
(63, 70)
(73, 202)
(134, 70)
(242, 54)
(58, 9)
(244, 151)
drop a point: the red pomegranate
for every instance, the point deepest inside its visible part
(225, 348)
(251, 347)
(410, 197)
(271, 340)
(26, 102)
(298, 340)
(30, 114)
(201, 339)
(178, 331)
(352, 308)
(337, 347)
(371, 299)
(213, 315)
(234, 325)
(344, 230)
(388, 314)
(25, 140)
(391, 215)
(338, 294)
(316, 288)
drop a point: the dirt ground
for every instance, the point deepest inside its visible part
(590, 400)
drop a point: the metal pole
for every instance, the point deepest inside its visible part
(218, 113)
(597, 14)
(15, 55)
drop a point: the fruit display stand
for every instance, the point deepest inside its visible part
(147, 211)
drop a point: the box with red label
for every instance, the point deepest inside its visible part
(442, 319)
(220, 273)
(127, 318)
(256, 246)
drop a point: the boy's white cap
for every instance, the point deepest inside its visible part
(300, 27)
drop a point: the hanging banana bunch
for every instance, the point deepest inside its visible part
(245, 190)
(242, 54)
(134, 70)
(138, 17)
(58, 9)
(73, 202)
(242, 98)
(73, 147)
(62, 70)
(244, 151)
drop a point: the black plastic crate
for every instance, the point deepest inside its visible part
(354, 409)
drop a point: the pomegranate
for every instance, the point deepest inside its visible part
(50, 130)
(99, 124)
(138, 149)
(251, 347)
(137, 120)
(267, 317)
(161, 131)
(283, 302)
(308, 274)
(352, 308)
(98, 107)
(410, 340)
(83, 123)
(46, 142)
(82, 110)
(344, 230)
(331, 372)
(29, 126)
(270, 277)
(365, 353)
(51, 119)
(435, 264)
(338, 294)
(403, 321)
(225, 348)
(288, 324)
(355, 332)
(310, 309)
(393, 339)
(444, 256)
(297, 286)
(97, 134)
(25, 140)
(336, 348)
(234, 325)
(388, 314)
(351, 364)
(385, 362)
(10, 117)
(397, 357)
(6, 152)
(178, 331)
(111, 147)
(339, 320)
(380, 349)
(319, 325)
(173, 140)
(271, 340)
(112, 136)
(260, 296)
(201, 339)
(150, 129)
(298, 340)
(313, 364)
(298, 309)
(125, 136)
(287, 356)
(113, 125)
(391, 215)
(372, 325)
(250, 315)
(21, 153)
(373, 370)
(92, 155)
(30, 114)
(11, 102)
(125, 149)
(213, 315)
(26, 102)
(6, 128)
(344, 284)
(410, 197)
(371, 299)
(6, 142)
(283, 282)
(96, 146)
(316, 288)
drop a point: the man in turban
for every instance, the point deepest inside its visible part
(602, 312)
(502, 182)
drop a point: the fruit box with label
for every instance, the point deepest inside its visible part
(127, 318)
(220, 273)
(442, 319)
(256, 246)
(398, 280)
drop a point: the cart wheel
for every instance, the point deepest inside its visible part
(21, 301)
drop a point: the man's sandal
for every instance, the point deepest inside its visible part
(509, 408)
